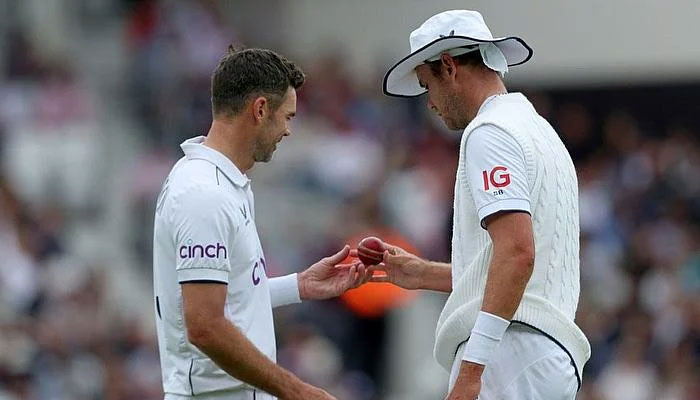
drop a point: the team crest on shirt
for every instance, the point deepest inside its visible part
(244, 213)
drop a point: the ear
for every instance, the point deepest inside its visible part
(259, 108)
(449, 63)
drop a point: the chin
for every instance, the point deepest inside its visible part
(455, 126)
(266, 157)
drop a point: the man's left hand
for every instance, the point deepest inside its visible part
(327, 278)
(468, 384)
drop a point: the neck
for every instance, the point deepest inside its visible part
(493, 85)
(230, 138)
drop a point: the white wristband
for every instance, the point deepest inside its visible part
(486, 335)
(284, 290)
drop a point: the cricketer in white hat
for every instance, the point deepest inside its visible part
(453, 32)
(507, 330)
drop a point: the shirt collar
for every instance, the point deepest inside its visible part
(490, 99)
(195, 149)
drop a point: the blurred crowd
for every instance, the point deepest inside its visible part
(356, 163)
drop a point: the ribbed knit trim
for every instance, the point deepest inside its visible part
(533, 310)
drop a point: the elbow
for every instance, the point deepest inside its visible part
(520, 257)
(200, 333)
(525, 260)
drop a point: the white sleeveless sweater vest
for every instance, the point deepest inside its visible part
(551, 296)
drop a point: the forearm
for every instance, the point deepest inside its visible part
(437, 276)
(505, 285)
(509, 273)
(239, 357)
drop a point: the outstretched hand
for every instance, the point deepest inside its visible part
(327, 278)
(400, 268)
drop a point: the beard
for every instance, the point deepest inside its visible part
(455, 115)
(263, 151)
(264, 148)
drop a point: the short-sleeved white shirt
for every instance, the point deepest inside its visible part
(205, 231)
(495, 166)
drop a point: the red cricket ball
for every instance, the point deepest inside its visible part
(370, 250)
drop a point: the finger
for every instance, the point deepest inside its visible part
(388, 257)
(394, 250)
(353, 253)
(348, 265)
(380, 267)
(350, 282)
(339, 256)
(361, 274)
(368, 275)
(379, 278)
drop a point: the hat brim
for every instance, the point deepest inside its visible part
(401, 80)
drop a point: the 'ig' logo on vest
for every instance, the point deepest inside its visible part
(498, 177)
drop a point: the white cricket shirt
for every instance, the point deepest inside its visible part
(205, 231)
(512, 159)
(495, 167)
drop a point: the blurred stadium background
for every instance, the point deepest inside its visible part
(96, 95)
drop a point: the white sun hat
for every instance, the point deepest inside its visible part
(454, 32)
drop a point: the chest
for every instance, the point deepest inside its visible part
(246, 257)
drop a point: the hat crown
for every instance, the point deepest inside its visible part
(450, 23)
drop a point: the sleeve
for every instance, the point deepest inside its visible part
(284, 290)
(203, 232)
(495, 167)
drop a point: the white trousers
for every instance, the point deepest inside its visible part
(246, 394)
(526, 365)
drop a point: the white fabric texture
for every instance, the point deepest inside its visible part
(205, 230)
(243, 394)
(284, 290)
(202, 228)
(495, 166)
(443, 32)
(541, 370)
(551, 296)
(485, 337)
(490, 53)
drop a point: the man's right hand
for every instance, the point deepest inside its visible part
(401, 268)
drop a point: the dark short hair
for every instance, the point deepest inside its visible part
(471, 58)
(247, 73)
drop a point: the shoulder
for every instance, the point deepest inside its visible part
(193, 172)
(198, 187)
(489, 137)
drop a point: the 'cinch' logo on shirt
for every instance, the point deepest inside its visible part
(203, 250)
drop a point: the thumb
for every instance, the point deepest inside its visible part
(339, 256)
(388, 257)
(392, 249)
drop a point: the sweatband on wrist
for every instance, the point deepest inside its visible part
(284, 290)
(486, 335)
